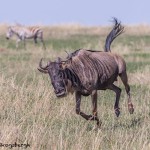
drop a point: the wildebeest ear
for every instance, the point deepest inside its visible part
(63, 65)
(49, 62)
(58, 60)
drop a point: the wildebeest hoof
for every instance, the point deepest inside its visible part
(99, 123)
(131, 110)
(92, 117)
(117, 112)
(97, 129)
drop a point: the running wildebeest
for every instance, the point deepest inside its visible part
(86, 71)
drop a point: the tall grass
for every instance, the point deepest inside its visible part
(31, 113)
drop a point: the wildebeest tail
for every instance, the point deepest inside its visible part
(116, 31)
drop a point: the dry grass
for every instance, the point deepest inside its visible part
(30, 112)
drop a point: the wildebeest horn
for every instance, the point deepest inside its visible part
(43, 69)
(67, 54)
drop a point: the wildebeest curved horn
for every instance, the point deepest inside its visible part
(67, 54)
(43, 69)
(58, 60)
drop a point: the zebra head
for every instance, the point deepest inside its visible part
(9, 33)
(55, 71)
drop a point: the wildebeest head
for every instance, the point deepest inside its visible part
(55, 71)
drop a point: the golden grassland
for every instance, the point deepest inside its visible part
(31, 113)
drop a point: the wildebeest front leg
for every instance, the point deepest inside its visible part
(117, 90)
(94, 104)
(78, 102)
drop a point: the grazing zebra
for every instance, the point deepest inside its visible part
(24, 33)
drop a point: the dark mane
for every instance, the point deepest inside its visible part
(75, 53)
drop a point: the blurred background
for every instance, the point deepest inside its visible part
(96, 12)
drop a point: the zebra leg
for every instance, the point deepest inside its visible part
(117, 90)
(17, 43)
(40, 36)
(44, 47)
(24, 44)
(35, 39)
(87, 117)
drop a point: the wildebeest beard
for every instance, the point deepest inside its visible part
(69, 74)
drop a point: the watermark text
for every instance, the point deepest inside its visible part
(15, 145)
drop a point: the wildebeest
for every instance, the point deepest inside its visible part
(87, 71)
(23, 33)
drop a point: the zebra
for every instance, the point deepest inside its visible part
(23, 33)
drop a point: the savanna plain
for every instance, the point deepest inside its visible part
(31, 113)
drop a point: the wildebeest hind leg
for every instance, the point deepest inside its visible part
(94, 104)
(124, 79)
(117, 90)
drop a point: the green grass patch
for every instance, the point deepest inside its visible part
(31, 112)
(136, 66)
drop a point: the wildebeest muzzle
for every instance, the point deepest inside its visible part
(59, 88)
